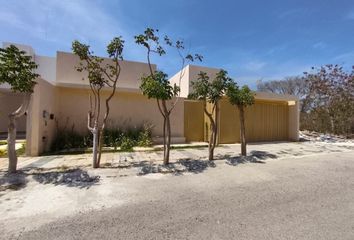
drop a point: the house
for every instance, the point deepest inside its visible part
(61, 101)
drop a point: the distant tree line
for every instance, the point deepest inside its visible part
(326, 98)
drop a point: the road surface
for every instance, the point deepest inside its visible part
(299, 198)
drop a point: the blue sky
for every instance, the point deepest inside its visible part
(251, 39)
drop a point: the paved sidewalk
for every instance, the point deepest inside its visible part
(123, 159)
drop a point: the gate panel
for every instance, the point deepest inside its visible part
(193, 121)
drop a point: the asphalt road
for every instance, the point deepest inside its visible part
(300, 198)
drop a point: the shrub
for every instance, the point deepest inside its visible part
(145, 139)
(127, 144)
(69, 139)
(3, 153)
(140, 136)
(116, 137)
(113, 137)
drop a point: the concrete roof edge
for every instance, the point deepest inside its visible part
(274, 96)
(129, 61)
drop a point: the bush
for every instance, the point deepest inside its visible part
(3, 153)
(145, 139)
(113, 137)
(140, 136)
(127, 144)
(126, 138)
(69, 139)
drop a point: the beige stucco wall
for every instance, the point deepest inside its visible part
(67, 75)
(128, 109)
(190, 74)
(9, 102)
(41, 128)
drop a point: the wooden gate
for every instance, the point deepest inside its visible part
(193, 121)
(265, 121)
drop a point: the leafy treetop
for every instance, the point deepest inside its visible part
(210, 91)
(17, 69)
(100, 75)
(158, 86)
(240, 96)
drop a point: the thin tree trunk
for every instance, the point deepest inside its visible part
(166, 134)
(168, 140)
(95, 134)
(11, 144)
(210, 145)
(215, 140)
(11, 138)
(214, 130)
(242, 131)
(164, 138)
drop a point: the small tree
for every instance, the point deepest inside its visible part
(211, 92)
(17, 70)
(241, 98)
(100, 76)
(156, 85)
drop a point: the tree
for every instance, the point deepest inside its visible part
(297, 86)
(211, 91)
(100, 76)
(156, 85)
(241, 98)
(17, 70)
(331, 94)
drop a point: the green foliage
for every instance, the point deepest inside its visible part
(127, 144)
(210, 90)
(3, 153)
(17, 69)
(70, 139)
(145, 139)
(113, 137)
(141, 136)
(99, 75)
(19, 152)
(157, 86)
(240, 96)
(22, 150)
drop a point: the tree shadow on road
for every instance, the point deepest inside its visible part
(14, 181)
(253, 157)
(178, 168)
(65, 177)
(75, 177)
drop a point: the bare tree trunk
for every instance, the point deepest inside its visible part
(214, 131)
(11, 138)
(210, 145)
(242, 130)
(166, 133)
(164, 139)
(95, 134)
(168, 141)
(11, 144)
